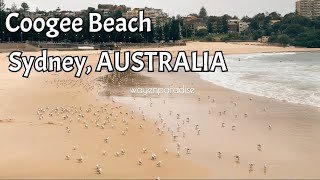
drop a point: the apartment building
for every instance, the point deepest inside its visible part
(233, 25)
(107, 9)
(157, 16)
(237, 26)
(308, 8)
(243, 26)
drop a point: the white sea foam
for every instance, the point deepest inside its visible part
(293, 77)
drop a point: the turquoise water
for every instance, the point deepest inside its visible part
(293, 77)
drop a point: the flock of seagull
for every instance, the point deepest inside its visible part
(106, 115)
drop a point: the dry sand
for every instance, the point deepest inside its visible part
(36, 148)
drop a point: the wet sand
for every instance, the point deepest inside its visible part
(35, 144)
(289, 149)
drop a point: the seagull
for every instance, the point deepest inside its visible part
(237, 159)
(175, 137)
(178, 146)
(178, 154)
(233, 128)
(122, 151)
(144, 150)
(153, 157)
(251, 167)
(80, 160)
(117, 154)
(106, 139)
(159, 163)
(99, 170)
(265, 168)
(259, 147)
(188, 150)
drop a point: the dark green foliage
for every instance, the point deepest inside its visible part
(283, 39)
(203, 13)
(309, 39)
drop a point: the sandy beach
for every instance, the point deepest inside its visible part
(53, 125)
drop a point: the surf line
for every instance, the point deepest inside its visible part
(45, 63)
(164, 60)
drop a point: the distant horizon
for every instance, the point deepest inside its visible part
(213, 7)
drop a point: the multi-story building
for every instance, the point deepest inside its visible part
(243, 26)
(237, 26)
(274, 21)
(107, 9)
(308, 8)
(233, 25)
(157, 16)
(196, 23)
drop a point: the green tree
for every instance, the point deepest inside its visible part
(175, 29)
(308, 39)
(24, 7)
(117, 14)
(202, 33)
(293, 30)
(284, 39)
(203, 13)
(210, 27)
(91, 9)
(166, 32)
(275, 16)
(159, 33)
(186, 31)
(224, 21)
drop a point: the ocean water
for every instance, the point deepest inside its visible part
(293, 77)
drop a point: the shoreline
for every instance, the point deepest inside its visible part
(275, 169)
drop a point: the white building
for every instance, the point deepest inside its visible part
(243, 26)
(157, 16)
(308, 8)
(237, 26)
